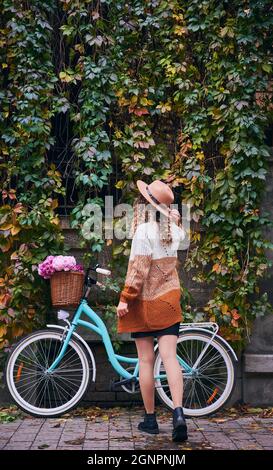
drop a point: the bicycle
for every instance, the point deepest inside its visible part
(48, 372)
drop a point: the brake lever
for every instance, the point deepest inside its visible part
(100, 284)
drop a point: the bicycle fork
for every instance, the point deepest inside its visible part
(67, 334)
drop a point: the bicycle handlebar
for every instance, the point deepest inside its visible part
(88, 281)
(106, 272)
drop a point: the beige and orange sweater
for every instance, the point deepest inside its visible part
(152, 287)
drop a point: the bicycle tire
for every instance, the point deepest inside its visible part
(17, 345)
(209, 411)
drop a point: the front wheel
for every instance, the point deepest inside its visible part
(209, 387)
(39, 393)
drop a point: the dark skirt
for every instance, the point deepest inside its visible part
(170, 330)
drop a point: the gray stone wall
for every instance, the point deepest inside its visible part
(258, 356)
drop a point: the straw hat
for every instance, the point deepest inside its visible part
(159, 194)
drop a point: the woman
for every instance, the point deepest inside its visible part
(149, 303)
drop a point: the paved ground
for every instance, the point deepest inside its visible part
(116, 428)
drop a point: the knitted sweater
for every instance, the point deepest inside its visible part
(152, 287)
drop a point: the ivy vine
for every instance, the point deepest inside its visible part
(29, 225)
(177, 90)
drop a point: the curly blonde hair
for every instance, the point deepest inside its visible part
(141, 216)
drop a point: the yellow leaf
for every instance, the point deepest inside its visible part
(133, 100)
(6, 227)
(145, 102)
(65, 77)
(3, 331)
(178, 16)
(17, 331)
(79, 48)
(14, 255)
(224, 308)
(118, 134)
(180, 30)
(219, 420)
(54, 203)
(120, 184)
(164, 107)
(182, 180)
(15, 229)
(196, 236)
(200, 155)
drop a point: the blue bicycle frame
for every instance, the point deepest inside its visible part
(99, 327)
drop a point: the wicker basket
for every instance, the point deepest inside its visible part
(66, 288)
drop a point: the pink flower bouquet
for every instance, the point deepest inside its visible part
(53, 264)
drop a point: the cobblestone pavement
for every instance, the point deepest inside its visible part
(118, 430)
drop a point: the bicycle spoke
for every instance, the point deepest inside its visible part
(58, 391)
(29, 360)
(211, 361)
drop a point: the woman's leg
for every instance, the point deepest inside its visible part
(145, 351)
(167, 348)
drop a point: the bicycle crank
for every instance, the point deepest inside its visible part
(129, 385)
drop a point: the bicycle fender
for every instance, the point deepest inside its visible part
(219, 338)
(58, 327)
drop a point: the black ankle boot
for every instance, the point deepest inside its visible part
(149, 424)
(179, 426)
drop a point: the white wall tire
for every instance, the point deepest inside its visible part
(29, 342)
(164, 393)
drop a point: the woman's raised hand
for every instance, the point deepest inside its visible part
(175, 215)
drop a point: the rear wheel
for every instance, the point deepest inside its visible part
(209, 388)
(40, 393)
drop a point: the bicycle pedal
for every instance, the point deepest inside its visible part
(114, 384)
